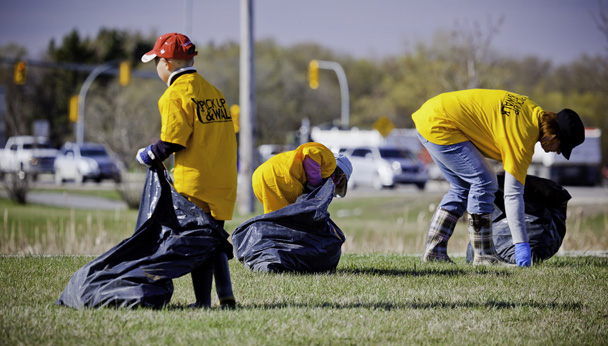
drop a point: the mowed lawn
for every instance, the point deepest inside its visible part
(370, 299)
(380, 294)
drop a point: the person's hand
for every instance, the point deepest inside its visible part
(523, 254)
(145, 156)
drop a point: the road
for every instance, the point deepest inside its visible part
(581, 196)
(65, 198)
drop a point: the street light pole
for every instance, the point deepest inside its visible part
(345, 113)
(82, 96)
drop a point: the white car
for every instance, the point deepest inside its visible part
(86, 161)
(27, 155)
(386, 167)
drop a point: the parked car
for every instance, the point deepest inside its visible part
(27, 154)
(386, 167)
(79, 162)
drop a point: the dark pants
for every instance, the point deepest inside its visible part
(202, 278)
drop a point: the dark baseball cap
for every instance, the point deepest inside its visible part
(571, 131)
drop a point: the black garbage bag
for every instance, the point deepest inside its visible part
(546, 203)
(172, 237)
(300, 237)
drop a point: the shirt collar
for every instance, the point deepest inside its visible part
(177, 73)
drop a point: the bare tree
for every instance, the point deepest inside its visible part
(471, 44)
(17, 186)
(125, 119)
(601, 19)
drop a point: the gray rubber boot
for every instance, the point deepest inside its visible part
(441, 229)
(480, 235)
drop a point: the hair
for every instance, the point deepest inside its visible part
(182, 63)
(177, 62)
(549, 126)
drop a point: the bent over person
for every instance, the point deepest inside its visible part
(198, 129)
(459, 129)
(279, 181)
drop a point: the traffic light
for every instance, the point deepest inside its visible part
(235, 111)
(74, 108)
(313, 74)
(20, 72)
(124, 73)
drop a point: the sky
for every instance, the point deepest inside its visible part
(558, 30)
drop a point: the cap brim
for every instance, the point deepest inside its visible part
(148, 57)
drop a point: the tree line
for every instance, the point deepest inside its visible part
(126, 118)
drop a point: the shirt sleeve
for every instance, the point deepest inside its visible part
(162, 150)
(313, 171)
(177, 125)
(515, 209)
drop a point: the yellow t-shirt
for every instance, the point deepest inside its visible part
(503, 125)
(279, 181)
(195, 115)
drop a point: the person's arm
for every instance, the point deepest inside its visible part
(515, 210)
(313, 172)
(157, 151)
(162, 150)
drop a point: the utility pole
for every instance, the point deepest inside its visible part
(188, 18)
(247, 110)
(2, 115)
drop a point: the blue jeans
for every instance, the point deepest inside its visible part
(472, 179)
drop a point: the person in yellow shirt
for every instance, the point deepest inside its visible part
(459, 129)
(280, 180)
(197, 128)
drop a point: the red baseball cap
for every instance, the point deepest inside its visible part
(172, 46)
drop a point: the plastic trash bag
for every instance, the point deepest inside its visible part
(300, 237)
(172, 237)
(545, 218)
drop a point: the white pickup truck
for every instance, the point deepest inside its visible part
(28, 154)
(583, 168)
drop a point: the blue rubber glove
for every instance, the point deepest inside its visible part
(523, 255)
(145, 156)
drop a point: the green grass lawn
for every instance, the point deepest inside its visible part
(371, 299)
(380, 294)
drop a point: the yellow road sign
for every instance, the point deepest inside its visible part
(384, 125)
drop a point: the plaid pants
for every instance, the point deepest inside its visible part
(440, 231)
